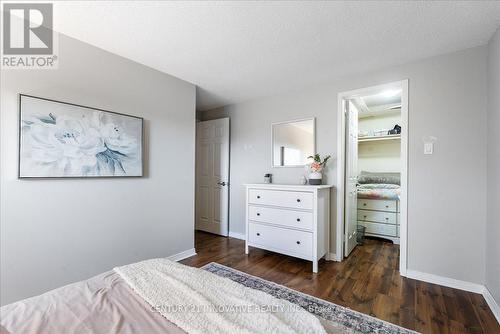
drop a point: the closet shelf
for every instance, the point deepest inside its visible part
(378, 138)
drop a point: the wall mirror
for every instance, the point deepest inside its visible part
(293, 142)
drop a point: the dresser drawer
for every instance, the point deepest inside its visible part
(378, 216)
(289, 199)
(378, 204)
(380, 229)
(284, 217)
(291, 242)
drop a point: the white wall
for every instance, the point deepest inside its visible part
(447, 196)
(54, 232)
(379, 156)
(493, 224)
(379, 122)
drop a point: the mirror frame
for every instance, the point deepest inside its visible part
(313, 119)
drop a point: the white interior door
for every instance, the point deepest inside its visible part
(212, 176)
(351, 194)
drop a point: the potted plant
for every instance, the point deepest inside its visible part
(316, 169)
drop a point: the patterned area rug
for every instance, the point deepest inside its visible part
(340, 318)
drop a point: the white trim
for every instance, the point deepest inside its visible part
(458, 284)
(341, 123)
(224, 177)
(339, 242)
(403, 197)
(237, 235)
(333, 257)
(492, 303)
(294, 187)
(445, 281)
(182, 255)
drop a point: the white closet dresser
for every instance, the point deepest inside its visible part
(289, 219)
(380, 217)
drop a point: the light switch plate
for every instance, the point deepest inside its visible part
(428, 148)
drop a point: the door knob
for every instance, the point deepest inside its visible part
(222, 183)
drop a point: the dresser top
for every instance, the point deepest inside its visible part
(287, 186)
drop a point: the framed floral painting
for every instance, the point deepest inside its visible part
(64, 140)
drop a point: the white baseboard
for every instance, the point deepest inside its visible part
(333, 257)
(458, 284)
(445, 281)
(237, 235)
(430, 278)
(182, 255)
(492, 303)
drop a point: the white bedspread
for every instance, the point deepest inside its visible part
(200, 302)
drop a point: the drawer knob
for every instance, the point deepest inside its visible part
(258, 196)
(298, 199)
(258, 214)
(364, 204)
(387, 206)
(386, 218)
(298, 219)
(258, 234)
(298, 242)
(364, 216)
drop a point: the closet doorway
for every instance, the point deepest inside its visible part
(373, 151)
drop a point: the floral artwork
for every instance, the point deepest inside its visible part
(64, 140)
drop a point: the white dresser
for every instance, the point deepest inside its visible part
(289, 219)
(380, 218)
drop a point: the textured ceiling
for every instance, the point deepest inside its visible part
(236, 51)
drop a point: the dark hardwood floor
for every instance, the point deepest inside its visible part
(368, 281)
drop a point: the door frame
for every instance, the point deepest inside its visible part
(349, 163)
(226, 208)
(341, 155)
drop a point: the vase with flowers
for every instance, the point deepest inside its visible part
(316, 169)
